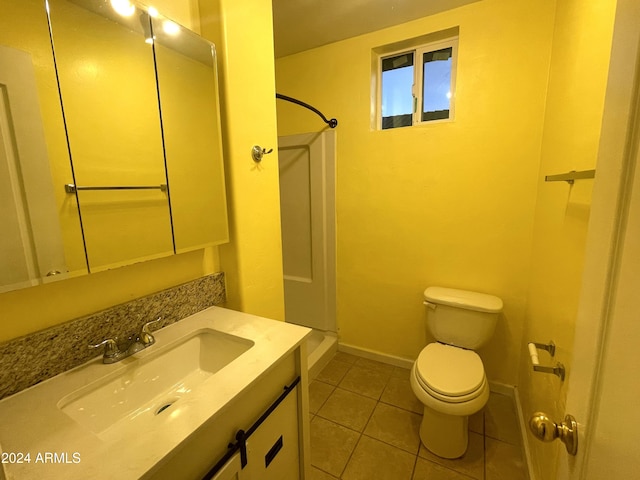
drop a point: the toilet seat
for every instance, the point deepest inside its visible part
(450, 374)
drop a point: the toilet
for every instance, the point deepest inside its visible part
(448, 376)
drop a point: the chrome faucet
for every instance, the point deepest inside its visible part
(115, 351)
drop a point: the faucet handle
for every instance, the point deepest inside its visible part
(145, 334)
(110, 347)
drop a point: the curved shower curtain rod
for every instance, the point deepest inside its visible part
(332, 123)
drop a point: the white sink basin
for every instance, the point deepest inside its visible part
(152, 387)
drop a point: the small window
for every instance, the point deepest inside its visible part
(417, 85)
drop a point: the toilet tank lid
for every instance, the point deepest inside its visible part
(480, 302)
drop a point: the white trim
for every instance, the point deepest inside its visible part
(512, 392)
(374, 355)
(322, 355)
(432, 47)
(502, 389)
(524, 441)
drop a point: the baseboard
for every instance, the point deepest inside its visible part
(502, 389)
(523, 434)
(373, 355)
(322, 355)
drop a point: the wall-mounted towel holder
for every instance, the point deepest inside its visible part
(550, 347)
(571, 176)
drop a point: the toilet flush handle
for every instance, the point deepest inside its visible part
(432, 306)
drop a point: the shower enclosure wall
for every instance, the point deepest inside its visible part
(307, 202)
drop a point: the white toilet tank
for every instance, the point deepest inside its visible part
(461, 318)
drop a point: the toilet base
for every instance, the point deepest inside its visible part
(446, 436)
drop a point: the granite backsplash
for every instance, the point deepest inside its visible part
(28, 360)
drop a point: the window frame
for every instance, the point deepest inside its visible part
(418, 50)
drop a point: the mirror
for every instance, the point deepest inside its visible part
(128, 164)
(40, 223)
(108, 89)
(188, 89)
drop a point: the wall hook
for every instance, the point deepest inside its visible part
(257, 152)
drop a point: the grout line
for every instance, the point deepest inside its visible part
(325, 400)
(401, 408)
(370, 416)
(351, 455)
(391, 445)
(318, 468)
(484, 446)
(378, 401)
(415, 464)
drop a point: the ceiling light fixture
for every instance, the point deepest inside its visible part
(123, 7)
(170, 28)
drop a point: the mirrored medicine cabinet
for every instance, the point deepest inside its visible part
(110, 145)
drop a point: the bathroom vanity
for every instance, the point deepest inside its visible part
(221, 394)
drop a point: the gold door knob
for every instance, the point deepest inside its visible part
(545, 429)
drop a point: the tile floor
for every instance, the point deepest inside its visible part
(365, 422)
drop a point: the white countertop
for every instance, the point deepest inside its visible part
(31, 422)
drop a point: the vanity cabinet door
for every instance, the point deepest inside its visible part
(232, 470)
(273, 448)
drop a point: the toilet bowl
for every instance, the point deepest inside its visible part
(451, 388)
(449, 379)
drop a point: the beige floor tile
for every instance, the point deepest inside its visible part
(373, 459)
(348, 409)
(380, 367)
(331, 445)
(334, 372)
(396, 427)
(426, 470)
(346, 358)
(318, 394)
(471, 463)
(317, 474)
(364, 381)
(476, 422)
(500, 419)
(504, 461)
(399, 372)
(398, 392)
(391, 428)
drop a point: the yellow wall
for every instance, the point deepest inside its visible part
(252, 262)
(447, 204)
(185, 12)
(575, 101)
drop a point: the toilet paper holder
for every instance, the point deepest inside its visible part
(550, 347)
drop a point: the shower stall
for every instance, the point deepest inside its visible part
(307, 204)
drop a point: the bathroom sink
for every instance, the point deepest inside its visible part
(153, 386)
